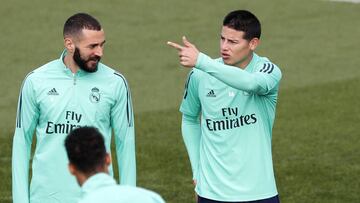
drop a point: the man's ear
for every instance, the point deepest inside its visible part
(72, 168)
(69, 44)
(107, 159)
(254, 42)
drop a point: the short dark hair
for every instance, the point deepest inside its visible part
(86, 149)
(242, 20)
(76, 23)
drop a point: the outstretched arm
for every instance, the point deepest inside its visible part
(261, 81)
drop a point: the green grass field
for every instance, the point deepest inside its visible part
(316, 137)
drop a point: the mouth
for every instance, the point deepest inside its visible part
(94, 60)
(225, 56)
(92, 63)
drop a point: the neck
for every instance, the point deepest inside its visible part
(82, 177)
(243, 63)
(70, 63)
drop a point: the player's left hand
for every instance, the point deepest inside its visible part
(195, 195)
(188, 53)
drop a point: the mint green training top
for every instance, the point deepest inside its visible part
(230, 147)
(103, 188)
(53, 101)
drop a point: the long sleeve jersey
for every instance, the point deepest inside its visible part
(230, 147)
(52, 102)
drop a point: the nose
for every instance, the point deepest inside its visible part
(224, 45)
(99, 51)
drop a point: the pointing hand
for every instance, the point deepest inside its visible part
(188, 53)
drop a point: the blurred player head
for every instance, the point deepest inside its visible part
(240, 36)
(86, 152)
(84, 40)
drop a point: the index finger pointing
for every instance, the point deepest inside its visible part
(176, 46)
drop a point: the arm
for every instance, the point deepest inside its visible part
(191, 132)
(26, 120)
(260, 82)
(190, 126)
(122, 121)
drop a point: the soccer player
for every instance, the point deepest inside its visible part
(230, 144)
(89, 163)
(66, 93)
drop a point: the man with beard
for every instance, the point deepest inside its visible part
(73, 91)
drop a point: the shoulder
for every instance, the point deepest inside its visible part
(121, 193)
(43, 71)
(141, 194)
(195, 74)
(112, 74)
(265, 66)
(220, 60)
(193, 79)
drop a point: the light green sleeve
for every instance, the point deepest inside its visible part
(122, 121)
(190, 104)
(191, 132)
(26, 121)
(190, 126)
(259, 82)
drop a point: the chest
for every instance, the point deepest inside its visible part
(220, 100)
(62, 99)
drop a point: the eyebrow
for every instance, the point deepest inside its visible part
(95, 44)
(231, 40)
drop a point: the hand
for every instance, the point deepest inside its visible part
(188, 53)
(196, 196)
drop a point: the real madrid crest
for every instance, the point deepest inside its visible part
(94, 95)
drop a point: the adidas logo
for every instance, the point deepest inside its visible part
(211, 94)
(53, 92)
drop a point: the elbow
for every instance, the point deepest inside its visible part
(187, 119)
(251, 86)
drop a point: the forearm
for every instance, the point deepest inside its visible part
(125, 152)
(230, 75)
(191, 132)
(20, 167)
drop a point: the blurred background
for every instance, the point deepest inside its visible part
(316, 136)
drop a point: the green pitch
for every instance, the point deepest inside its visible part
(315, 43)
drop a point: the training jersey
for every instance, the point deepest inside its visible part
(52, 102)
(237, 111)
(103, 188)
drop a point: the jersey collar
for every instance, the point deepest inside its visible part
(252, 63)
(66, 69)
(97, 181)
